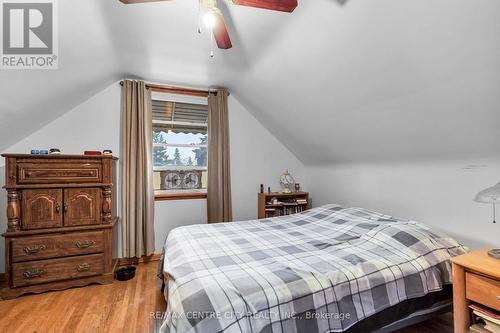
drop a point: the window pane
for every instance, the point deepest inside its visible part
(179, 146)
(179, 161)
(179, 149)
(184, 138)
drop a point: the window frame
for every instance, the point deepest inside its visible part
(180, 196)
(182, 96)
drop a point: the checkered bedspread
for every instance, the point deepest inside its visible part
(322, 270)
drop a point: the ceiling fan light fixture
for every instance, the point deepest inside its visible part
(211, 16)
(210, 19)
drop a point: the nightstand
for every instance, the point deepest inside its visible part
(476, 279)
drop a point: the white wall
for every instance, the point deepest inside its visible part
(171, 214)
(256, 157)
(439, 194)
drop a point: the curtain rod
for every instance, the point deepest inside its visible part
(180, 90)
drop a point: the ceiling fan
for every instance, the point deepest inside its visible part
(214, 19)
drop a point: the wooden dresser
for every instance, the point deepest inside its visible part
(476, 279)
(61, 212)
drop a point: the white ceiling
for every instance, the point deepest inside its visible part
(336, 81)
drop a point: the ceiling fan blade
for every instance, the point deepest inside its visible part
(221, 34)
(128, 2)
(279, 5)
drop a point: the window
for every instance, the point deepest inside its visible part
(180, 152)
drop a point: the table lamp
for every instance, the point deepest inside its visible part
(491, 195)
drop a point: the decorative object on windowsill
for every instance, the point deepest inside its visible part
(125, 273)
(54, 151)
(92, 153)
(44, 152)
(490, 195)
(261, 188)
(287, 182)
(297, 187)
(107, 152)
(269, 189)
(191, 180)
(180, 179)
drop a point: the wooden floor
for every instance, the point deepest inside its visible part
(120, 307)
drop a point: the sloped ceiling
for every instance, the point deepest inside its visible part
(336, 81)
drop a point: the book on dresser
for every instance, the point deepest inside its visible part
(273, 204)
(485, 319)
(61, 214)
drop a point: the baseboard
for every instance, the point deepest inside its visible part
(141, 260)
(9, 293)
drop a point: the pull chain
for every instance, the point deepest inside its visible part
(494, 214)
(202, 18)
(199, 16)
(212, 42)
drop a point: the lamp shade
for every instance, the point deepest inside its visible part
(490, 195)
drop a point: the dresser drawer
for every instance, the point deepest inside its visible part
(53, 246)
(483, 290)
(71, 171)
(35, 272)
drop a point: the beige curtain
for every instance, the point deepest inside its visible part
(219, 178)
(137, 207)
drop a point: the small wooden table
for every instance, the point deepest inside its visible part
(476, 278)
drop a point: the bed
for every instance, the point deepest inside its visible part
(328, 269)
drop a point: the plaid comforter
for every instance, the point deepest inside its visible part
(322, 270)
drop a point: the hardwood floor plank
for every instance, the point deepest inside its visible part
(118, 307)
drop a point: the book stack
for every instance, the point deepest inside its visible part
(290, 208)
(272, 204)
(285, 206)
(302, 201)
(272, 212)
(486, 320)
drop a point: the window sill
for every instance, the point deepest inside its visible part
(180, 196)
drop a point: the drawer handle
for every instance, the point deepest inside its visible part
(28, 174)
(58, 208)
(34, 273)
(83, 267)
(84, 244)
(35, 249)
